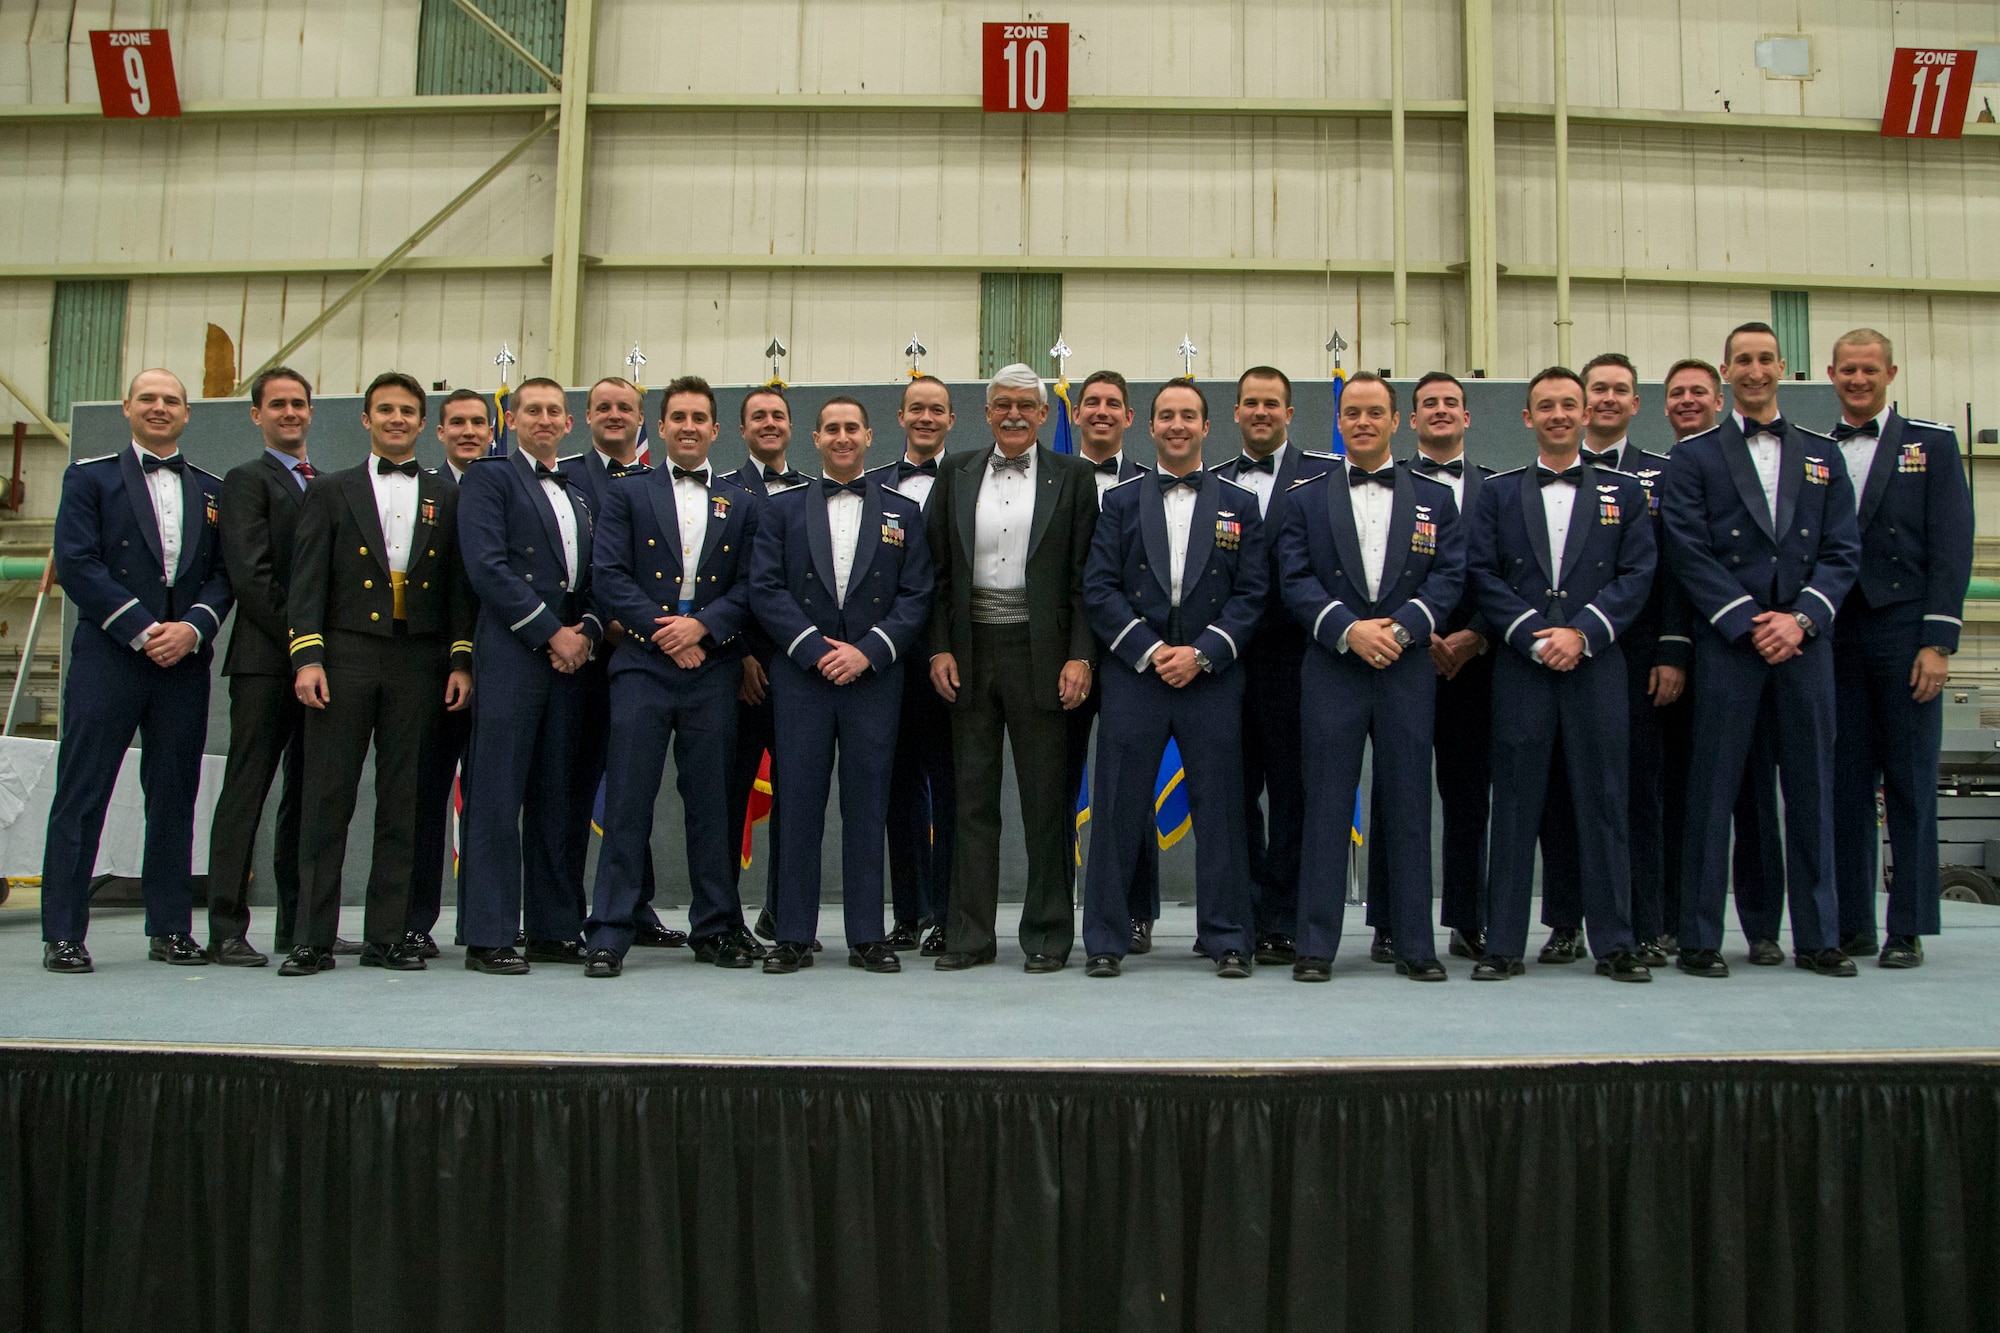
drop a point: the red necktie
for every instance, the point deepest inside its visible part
(306, 470)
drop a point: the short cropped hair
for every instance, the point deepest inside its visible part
(1436, 377)
(1370, 377)
(1111, 377)
(1555, 373)
(1618, 359)
(622, 383)
(841, 400)
(1265, 373)
(263, 382)
(1865, 338)
(539, 382)
(156, 370)
(396, 379)
(1179, 382)
(926, 379)
(682, 384)
(776, 391)
(467, 395)
(1017, 376)
(1695, 363)
(1754, 326)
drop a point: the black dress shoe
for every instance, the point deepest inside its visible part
(1702, 963)
(1498, 967)
(1623, 965)
(788, 956)
(1826, 962)
(903, 937)
(1668, 944)
(1650, 953)
(1102, 965)
(422, 942)
(1277, 950)
(767, 925)
(1471, 946)
(500, 962)
(1766, 953)
(520, 939)
(960, 960)
(1564, 946)
(555, 951)
(1383, 950)
(1902, 951)
(603, 963)
(179, 950)
(1312, 969)
(306, 961)
(1141, 940)
(1422, 969)
(653, 935)
(66, 956)
(933, 943)
(1042, 962)
(725, 950)
(1232, 964)
(345, 947)
(395, 957)
(1858, 945)
(747, 942)
(877, 957)
(236, 952)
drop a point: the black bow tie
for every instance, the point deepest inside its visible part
(1573, 474)
(1846, 432)
(905, 469)
(1109, 467)
(773, 477)
(1385, 477)
(174, 463)
(1267, 464)
(1775, 426)
(698, 475)
(1605, 458)
(543, 472)
(1018, 463)
(383, 467)
(859, 486)
(1192, 481)
(1430, 467)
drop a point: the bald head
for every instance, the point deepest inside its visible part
(156, 407)
(166, 377)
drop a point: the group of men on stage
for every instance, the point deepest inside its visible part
(1607, 653)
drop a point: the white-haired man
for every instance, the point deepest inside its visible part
(1011, 651)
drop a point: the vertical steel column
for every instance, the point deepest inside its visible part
(1560, 73)
(566, 260)
(1482, 242)
(1399, 178)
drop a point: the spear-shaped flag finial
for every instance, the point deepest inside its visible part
(916, 351)
(1336, 345)
(1062, 354)
(1186, 352)
(635, 361)
(776, 351)
(506, 361)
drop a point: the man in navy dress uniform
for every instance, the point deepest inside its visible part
(1373, 561)
(923, 791)
(1269, 466)
(526, 537)
(1103, 415)
(841, 579)
(137, 555)
(1174, 586)
(671, 564)
(1761, 533)
(1892, 647)
(1561, 558)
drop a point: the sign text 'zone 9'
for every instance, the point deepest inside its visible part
(1025, 67)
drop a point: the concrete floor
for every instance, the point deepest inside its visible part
(1168, 1006)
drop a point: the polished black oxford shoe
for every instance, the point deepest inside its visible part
(1142, 936)
(603, 963)
(1422, 969)
(1471, 946)
(1702, 963)
(1102, 965)
(396, 957)
(1766, 953)
(933, 943)
(904, 937)
(1383, 950)
(788, 956)
(66, 956)
(1826, 962)
(1858, 945)
(1276, 949)
(1650, 953)
(877, 957)
(1623, 965)
(960, 960)
(1902, 951)
(653, 935)
(555, 951)
(178, 950)
(726, 950)
(1498, 967)
(306, 961)
(344, 947)
(1232, 964)
(748, 942)
(423, 943)
(500, 962)
(1565, 946)
(1042, 962)
(236, 952)
(1312, 969)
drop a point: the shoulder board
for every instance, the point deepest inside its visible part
(489, 458)
(1422, 480)
(1121, 485)
(1317, 453)
(204, 472)
(1306, 481)
(880, 467)
(1234, 485)
(101, 458)
(1814, 435)
(1616, 472)
(891, 490)
(1931, 425)
(568, 458)
(1510, 472)
(729, 479)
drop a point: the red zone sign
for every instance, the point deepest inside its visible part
(135, 72)
(1929, 90)
(1024, 67)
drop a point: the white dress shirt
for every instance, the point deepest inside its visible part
(843, 521)
(1372, 505)
(917, 485)
(1262, 483)
(164, 485)
(1764, 456)
(1558, 504)
(1180, 522)
(1456, 483)
(691, 511)
(1106, 480)
(1002, 519)
(1859, 451)
(565, 522)
(396, 507)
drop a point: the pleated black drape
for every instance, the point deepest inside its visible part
(204, 1192)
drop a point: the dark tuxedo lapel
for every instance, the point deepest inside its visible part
(965, 503)
(1791, 478)
(1153, 534)
(869, 540)
(1402, 524)
(1736, 453)
(1201, 536)
(1582, 517)
(524, 467)
(194, 517)
(1047, 483)
(141, 500)
(819, 540)
(1876, 484)
(1535, 518)
(1340, 515)
(360, 499)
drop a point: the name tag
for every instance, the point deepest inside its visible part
(428, 513)
(1424, 537)
(892, 530)
(1818, 473)
(1911, 459)
(1228, 534)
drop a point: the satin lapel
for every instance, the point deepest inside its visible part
(1046, 485)
(1791, 477)
(1153, 534)
(194, 517)
(1402, 523)
(361, 500)
(524, 467)
(1201, 536)
(965, 503)
(1340, 513)
(1876, 484)
(140, 497)
(660, 494)
(1535, 518)
(1736, 453)
(1582, 517)
(869, 540)
(819, 540)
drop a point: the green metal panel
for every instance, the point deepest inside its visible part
(455, 55)
(1791, 316)
(1020, 318)
(86, 345)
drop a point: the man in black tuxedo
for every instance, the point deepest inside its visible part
(261, 501)
(1012, 651)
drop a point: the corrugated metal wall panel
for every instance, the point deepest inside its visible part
(456, 55)
(1020, 317)
(87, 345)
(1791, 316)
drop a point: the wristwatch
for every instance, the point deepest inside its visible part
(1402, 636)
(1806, 624)
(1201, 660)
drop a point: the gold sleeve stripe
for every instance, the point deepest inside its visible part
(461, 645)
(308, 641)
